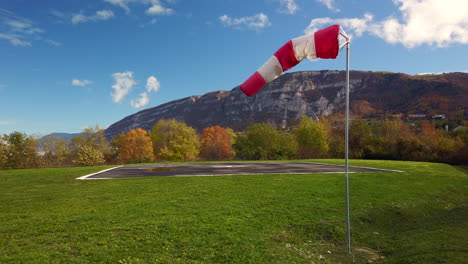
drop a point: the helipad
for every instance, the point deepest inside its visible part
(222, 169)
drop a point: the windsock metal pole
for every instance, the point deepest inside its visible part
(324, 44)
(348, 227)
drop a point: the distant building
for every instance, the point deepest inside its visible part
(425, 116)
(416, 116)
(438, 116)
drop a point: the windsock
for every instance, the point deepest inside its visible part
(322, 44)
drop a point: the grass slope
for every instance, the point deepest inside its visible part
(418, 216)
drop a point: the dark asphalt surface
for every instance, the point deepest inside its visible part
(228, 168)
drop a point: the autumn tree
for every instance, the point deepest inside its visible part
(216, 144)
(428, 139)
(136, 147)
(427, 130)
(311, 137)
(390, 134)
(174, 141)
(262, 141)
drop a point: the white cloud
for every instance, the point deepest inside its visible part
(104, 14)
(142, 101)
(288, 6)
(152, 84)
(330, 4)
(356, 25)
(22, 26)
(158, 9)
(431, 22)
(17, 30)
(155, 6)
(100, 15)
(57, 13)
(121, 3)
(123, 84)
(15, 40)
(79, 18)
(255, 22)
(82, 83)
(53, 42)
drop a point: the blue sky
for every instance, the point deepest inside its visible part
(69, 64)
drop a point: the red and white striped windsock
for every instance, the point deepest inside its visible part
(322, 44)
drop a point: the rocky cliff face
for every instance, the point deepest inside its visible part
(314, 93)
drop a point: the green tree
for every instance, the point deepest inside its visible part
(446, 147)
(335, 136)
(336, 141)
(56, 151)
(116, 143)
(262, 141)
(174, 141)
(3, 152)
(362, 140)
(89, 156)
(411, 148)
(21, 151)
(461, 155)
(311, 137)
(92, 137)
(62, 152)
(232, 138)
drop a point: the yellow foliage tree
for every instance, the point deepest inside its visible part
(174, 141)
(136, 147)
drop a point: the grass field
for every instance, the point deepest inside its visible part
(417, 216)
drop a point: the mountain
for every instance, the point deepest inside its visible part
(313, 93)
(67, 136)
(47, 138)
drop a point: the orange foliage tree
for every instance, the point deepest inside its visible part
(427, 130)
(216, 143)
(136, 147)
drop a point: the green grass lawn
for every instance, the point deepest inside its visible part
(417, 216)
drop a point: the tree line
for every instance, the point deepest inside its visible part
(172, 140)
